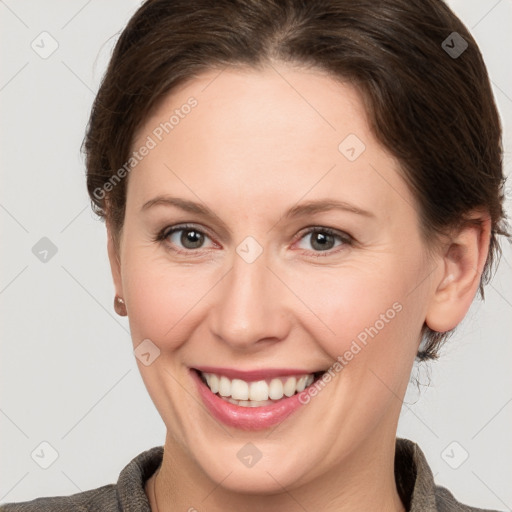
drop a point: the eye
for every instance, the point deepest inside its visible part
(188, 237)
(324, 239)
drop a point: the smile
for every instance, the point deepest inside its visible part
(252, 400)
(256, 393)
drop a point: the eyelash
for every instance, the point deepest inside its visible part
(345, 238)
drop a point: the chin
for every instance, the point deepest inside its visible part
(274, 468)
(264, 478)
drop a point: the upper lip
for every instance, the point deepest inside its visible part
(253, 375)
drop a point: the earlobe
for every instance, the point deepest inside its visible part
(463, 261)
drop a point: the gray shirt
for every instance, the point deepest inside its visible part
(414, 480)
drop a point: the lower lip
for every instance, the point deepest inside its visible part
(246, 418)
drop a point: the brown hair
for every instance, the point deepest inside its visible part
(429, 100)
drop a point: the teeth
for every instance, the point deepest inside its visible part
(213, 382)
(301, 384)
(290, 386)
(249, 403)
(239, 389)
(275, 390)
(224, 386)
(257, 393)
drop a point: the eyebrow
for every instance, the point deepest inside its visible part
(303, 209)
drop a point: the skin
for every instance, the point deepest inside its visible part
(258, 143)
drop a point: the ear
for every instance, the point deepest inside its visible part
(463, 260)
(115, 262)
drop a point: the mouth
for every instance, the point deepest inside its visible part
(257, 393)
(250, 404)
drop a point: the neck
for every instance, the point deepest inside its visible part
(363, 481)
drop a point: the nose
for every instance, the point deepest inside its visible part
(250, 310)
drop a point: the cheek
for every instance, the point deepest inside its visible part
(376, 323)
(163, 298)
(352, 305)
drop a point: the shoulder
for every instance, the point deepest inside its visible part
(445, 502)
(103, 498)
(416, 486)
(127, 494)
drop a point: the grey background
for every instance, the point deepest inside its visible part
(68, 375)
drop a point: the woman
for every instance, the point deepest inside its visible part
(301, 198)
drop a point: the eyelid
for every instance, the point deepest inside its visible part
(325, 229)
(178, 227)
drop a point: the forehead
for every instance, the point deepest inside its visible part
(253, 133)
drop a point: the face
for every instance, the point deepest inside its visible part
(289, 246)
